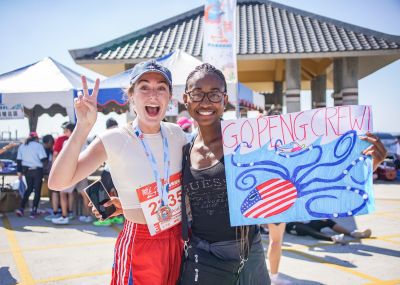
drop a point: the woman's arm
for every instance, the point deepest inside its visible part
(7, 147)
(70, 166)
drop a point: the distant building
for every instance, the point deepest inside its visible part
(280, 50)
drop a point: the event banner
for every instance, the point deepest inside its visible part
(11, 112)
(299, 166)
(219, 40)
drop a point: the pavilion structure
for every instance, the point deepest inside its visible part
(280, 50)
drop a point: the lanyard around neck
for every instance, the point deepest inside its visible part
(162, 190)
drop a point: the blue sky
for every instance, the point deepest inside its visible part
(32, 30)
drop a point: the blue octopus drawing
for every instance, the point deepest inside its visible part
(296, 182)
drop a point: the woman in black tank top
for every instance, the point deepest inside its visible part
(204, 173)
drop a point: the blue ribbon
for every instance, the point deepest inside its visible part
(162, 191)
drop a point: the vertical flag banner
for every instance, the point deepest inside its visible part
(299, 166)
(219, 40)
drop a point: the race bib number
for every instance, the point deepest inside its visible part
(159, 218)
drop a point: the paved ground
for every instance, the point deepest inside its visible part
(37, 252)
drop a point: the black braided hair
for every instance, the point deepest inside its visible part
(206, 68)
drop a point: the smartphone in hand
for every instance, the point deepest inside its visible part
(98, 195)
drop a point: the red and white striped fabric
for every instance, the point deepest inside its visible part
(135, 252)
(277, 195)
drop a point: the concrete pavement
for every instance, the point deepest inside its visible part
(33, 251)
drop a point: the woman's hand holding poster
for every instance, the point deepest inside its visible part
(300, 166)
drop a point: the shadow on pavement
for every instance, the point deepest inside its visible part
(299, 281)
(6, 277)
(23, 224)
(386, 182)
(358, 248)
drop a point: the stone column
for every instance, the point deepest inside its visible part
(337, 81)
(293, 85)
(278, 95)
(345, 81)
(318, 91)
(350, 81)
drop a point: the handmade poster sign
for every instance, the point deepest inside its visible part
(299, 166)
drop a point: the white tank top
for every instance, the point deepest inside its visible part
(128, 163)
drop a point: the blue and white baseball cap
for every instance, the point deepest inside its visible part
(150, 66)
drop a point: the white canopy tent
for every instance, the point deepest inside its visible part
(180, 64)
(46, 86)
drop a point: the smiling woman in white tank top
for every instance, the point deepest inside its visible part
(144, 158)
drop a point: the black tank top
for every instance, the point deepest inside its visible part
(208, 199)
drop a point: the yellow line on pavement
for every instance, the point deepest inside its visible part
(388, 282)
(72, 276)
(390, 236)
(388, 240)
(387, 200)
(336, 266)
(22, 267)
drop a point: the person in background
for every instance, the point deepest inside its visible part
(108, 184)
(276, 232)
(54, 195)
(30, 160)
(67, 196)
(186, 126)
(313, 229)
(86, 216)
(48, 144)
(111, 123)
(397, 156)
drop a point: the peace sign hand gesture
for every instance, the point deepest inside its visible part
(86, 104)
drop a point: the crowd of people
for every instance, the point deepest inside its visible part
(153, 154)
(34, 161)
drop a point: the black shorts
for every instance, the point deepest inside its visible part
(296, 228)
(318, 225)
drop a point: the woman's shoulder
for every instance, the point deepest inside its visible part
(115, 133)
(172, 126)
(176, 133)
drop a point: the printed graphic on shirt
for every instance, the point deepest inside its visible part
(208, 195)
(159, 218)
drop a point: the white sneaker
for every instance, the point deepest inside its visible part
(85, 219)
(338, 238)
(60, 221)
(278, 280)
(361, 234)
(89, 219)
(71, 216)
(50, 217)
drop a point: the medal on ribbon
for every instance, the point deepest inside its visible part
(164, 213)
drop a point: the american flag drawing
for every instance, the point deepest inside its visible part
(269, 198)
